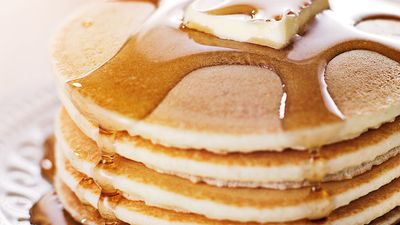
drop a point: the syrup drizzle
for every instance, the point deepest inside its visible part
(235, 9)
(107, 205)
(314, 175)
(48, 210)
(153, 61)
(106, 139)
(47, 165)
(107, 162)
(128, 78)
(257, 9)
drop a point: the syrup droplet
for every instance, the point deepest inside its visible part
(140, 96)
(308, 103)
(278, 18)
(315, 175)
(317, 166)
(47, 163)
(106, 140)
(235, 9)
(87, 23)
(48, 210)
(106, 206)
(107, 163)
(325, 205)
(82, 188)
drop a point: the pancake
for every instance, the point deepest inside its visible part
(290, 168)
(391, 218)
(136, 181)
(361, 211)
(84, 214)
(199, 101)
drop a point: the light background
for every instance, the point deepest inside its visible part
(26, 27)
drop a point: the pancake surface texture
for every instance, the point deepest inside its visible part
(361, 211)
(163, 124)
(197, 101)
(242, 204)
(268, 169)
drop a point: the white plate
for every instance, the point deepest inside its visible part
(27, 100)
(25, 124)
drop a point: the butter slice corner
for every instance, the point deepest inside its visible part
(271, 32)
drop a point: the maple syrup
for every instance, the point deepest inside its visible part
(47, 165)
(315, 174)
(164, 53)
(106, 207)
(258, 9)
(49, 211)
(306, 100)
(83, 185)
(235, 9)
(107, 162)
(106, 140)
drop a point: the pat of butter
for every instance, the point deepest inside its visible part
(270, 23)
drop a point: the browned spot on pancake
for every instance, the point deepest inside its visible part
(98, 42)
(358, 206)
(260, 198)
(47, 164)
(224, 98)
(83, 146)
(49, 211)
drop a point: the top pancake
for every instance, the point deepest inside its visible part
(287, 169)
(217, 106)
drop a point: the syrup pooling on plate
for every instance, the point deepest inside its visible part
(106, 139)
(152, 62)
(49, 211)
(163, 49)
(106, 207)
(108, 162)
(47, 165)
(315, 173)
(382, 25)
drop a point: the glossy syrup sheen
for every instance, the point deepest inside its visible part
(257, 9)
(153, 61)
(48, 210)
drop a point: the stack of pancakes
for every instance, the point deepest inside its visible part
(165, 125)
